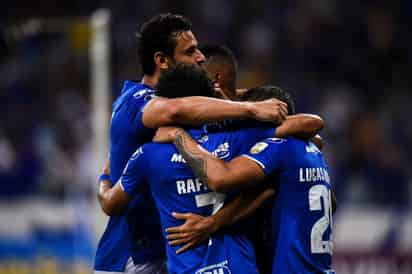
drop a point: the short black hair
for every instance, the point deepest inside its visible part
(269, 92)
(159, 34)
(184, 80)
(223, 56)
(218, 50)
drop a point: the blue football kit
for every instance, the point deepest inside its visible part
(124, 237)
(301, 216)
(174, 187)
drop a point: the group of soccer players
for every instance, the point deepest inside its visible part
(230, 185)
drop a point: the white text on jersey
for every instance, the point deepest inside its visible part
(313, 174)
(190, 186)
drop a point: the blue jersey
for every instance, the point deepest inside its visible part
(302, 219)
(123, 237)
(176, 189)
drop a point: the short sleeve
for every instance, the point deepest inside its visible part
(268, 154)
(133, 177)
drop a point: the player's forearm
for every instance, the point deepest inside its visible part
(301, 126)
(206, 167)
(218, 175)
(106, 199)
(200, 110)
(244, 205)
(194, 111)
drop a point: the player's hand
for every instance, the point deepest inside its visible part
(271, 110)
(219, 92)
(195, 230)
(166, 134)
(318, 141)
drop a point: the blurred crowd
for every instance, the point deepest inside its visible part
(348, 61)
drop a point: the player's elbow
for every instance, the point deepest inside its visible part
(213, 182)
(110, 210)
(162, 112)
(313, 125)
(317, 123)
(217, 183)
(220, 188)
(172, 112)
(107, 207)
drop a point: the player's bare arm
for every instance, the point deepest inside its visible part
(209, 169)
(303, 126)
(112, 199)
(197, 229)
(198, 110)
(220, 176)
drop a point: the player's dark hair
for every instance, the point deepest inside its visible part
(184, 80)
(222, 56)
(159, 34)
(268, 92)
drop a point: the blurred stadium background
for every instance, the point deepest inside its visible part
(350, 61)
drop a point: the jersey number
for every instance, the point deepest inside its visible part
(211, 198)
(318, 195)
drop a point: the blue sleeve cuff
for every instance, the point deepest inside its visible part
(105, 177)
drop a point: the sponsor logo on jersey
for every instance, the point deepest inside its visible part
(258, 148)
(222, 152)
(177, 158)
(219, 268)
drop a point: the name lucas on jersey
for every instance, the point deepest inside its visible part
(313, 174)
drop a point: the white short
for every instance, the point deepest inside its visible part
(157, 267)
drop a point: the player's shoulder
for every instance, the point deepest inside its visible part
(135, 92)
(141, 93)
(149, 151)
(279, 144)
(156, 148)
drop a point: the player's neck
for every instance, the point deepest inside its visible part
(150, 80)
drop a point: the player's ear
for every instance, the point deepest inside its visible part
(161, 60)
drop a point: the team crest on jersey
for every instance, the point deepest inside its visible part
(258, 148)
(219, 268)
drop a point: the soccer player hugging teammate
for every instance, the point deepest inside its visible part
(131, 243)
(302, 209)
(161, 170)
